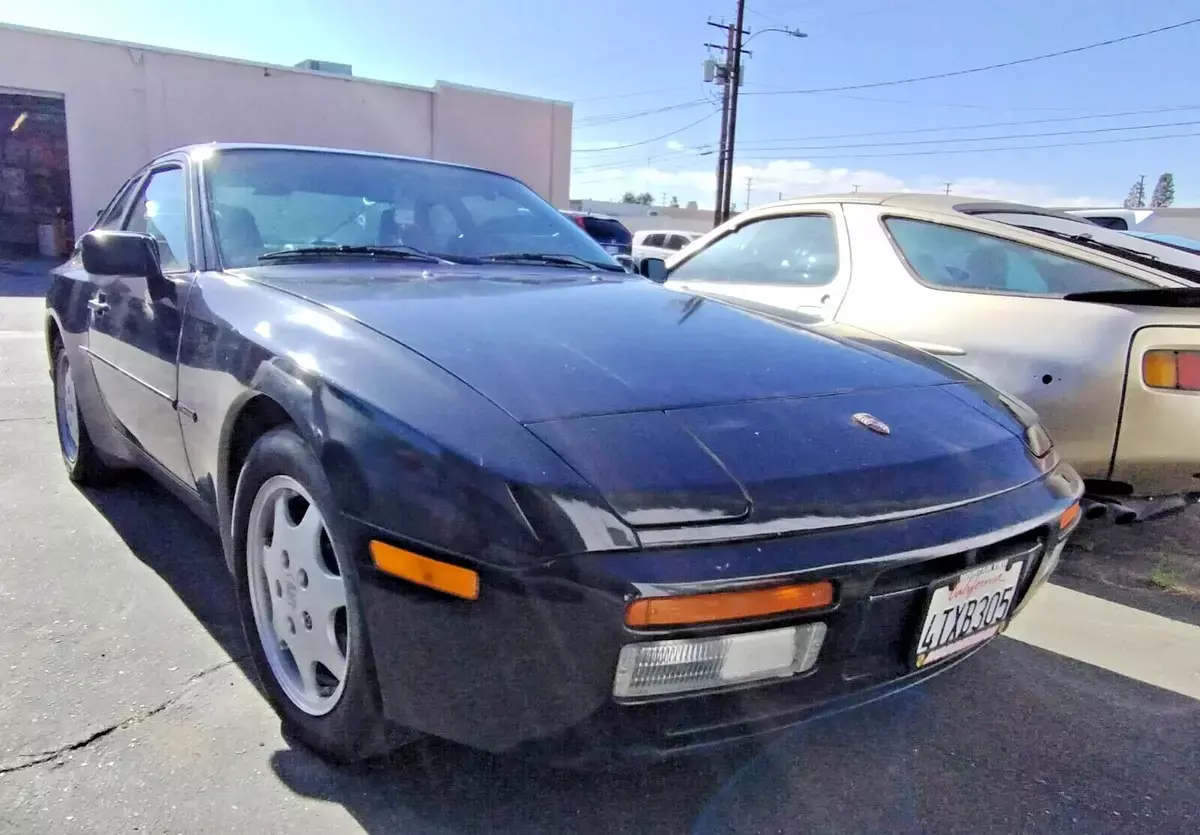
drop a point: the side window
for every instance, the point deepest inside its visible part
(797, 250)
(111, 217)
(161, 212)
(654, 240)
(961, 259)
(676, 242)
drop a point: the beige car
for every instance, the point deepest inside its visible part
(1115, 375)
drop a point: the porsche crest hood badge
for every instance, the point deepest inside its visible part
(871, 422)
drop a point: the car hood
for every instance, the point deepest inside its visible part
(549, 344)
(797, 462)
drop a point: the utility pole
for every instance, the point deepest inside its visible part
(735, 80)
(948, 187)
(722, 76)
(855, 187)
(748, 181)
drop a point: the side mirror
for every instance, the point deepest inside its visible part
(120, 253)
(654, 269)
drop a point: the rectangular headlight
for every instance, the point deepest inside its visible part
(657, 668)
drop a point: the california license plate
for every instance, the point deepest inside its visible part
(967, 609)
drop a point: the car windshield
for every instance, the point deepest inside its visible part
(271, 200)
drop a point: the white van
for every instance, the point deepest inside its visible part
(659, 243)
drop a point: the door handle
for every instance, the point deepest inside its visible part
(98, 305)
(940, 350)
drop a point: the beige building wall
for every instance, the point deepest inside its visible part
(127, 103)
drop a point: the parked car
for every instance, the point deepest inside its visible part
(606, 230)
(1177, 241)
(658, 243)
(1106, 350)
(473, 480)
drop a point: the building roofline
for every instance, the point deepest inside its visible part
(165, 50)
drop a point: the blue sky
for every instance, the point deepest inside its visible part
(619, 58)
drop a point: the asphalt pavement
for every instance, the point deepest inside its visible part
(128, 706)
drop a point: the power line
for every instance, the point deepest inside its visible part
(1001, 65)
(988, 150)
(978, 126)
(703, 118)
(908, 143)
(1081, 131)
(610, 118)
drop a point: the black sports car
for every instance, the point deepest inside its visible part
(474, 480)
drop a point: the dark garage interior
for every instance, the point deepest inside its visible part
(35, 186)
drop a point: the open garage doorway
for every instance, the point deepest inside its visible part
(35, 186)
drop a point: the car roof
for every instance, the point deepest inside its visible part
(644, 232)
(266, 146)
(578, 213)
(953, 204)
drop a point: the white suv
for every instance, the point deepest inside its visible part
(659, 243)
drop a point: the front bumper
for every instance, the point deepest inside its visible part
(529, 666)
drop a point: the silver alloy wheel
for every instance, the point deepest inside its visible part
(298, 595)
(66, 408)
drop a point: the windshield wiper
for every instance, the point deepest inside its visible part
(1084, 239)
(406, 253)
(550, 259)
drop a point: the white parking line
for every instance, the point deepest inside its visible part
(20, 334)
(1124, 640)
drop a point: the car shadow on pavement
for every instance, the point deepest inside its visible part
(1016, 739)
(169, 539)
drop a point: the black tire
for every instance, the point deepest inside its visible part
(84, 465)
(355, 729)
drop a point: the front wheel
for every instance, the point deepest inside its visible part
(79, 455)
(299, 603)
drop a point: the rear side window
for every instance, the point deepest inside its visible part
(655, 240)
(961, 259)
(797, 250)
(1110, 223)
(676, 242)
(606, 230)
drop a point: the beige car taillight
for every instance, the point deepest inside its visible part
(1179, 370)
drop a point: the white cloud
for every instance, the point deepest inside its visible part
(675, 145)
(796, 178)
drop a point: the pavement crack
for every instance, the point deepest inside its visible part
(42, 757)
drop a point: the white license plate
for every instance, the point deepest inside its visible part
(612, 248)
(967, 609)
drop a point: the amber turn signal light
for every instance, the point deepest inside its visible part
(1179, 370)
(1068, 516)
(435, 574)
(728, 605)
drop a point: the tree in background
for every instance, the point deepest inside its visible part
(645, 198)
(629, 197)
(674, 202)
(1137, 195)
(1164, 191)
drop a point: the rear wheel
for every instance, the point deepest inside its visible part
(299, 603)
(79, 455)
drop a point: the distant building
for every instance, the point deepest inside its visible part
(79, 115)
